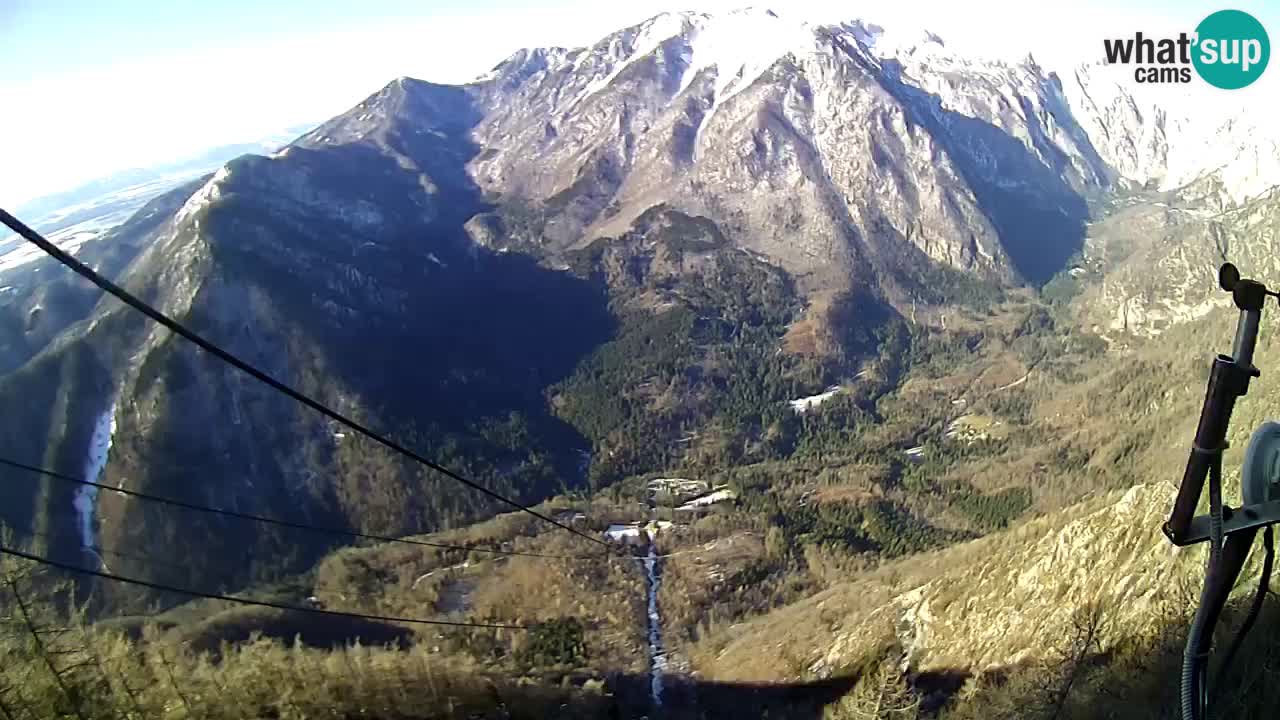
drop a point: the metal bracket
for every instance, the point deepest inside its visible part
(1250, 517)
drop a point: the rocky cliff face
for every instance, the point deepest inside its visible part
(827, 148)
(1151, 263)
(1215, 147)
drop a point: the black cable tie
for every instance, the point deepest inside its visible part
(1209, 451)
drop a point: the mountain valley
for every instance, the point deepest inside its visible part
(926, 333)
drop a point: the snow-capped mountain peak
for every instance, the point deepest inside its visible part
(741, 45)
(897, 42)
(735, 47)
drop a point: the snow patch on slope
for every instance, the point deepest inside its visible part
(741, 46)
(86, 496)
(916, 43)
(805, 404)
(710, 499)
(651, 35)
(204, 196)
(738, 46)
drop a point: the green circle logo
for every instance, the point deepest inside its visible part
(1232, 49)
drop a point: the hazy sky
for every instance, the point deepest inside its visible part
(94, 86)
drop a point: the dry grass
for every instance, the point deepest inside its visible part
(981, 603)
(212, 661)
(701, 587)
(807, 335)
(605, 592)
(854, 494)
(160, 678)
